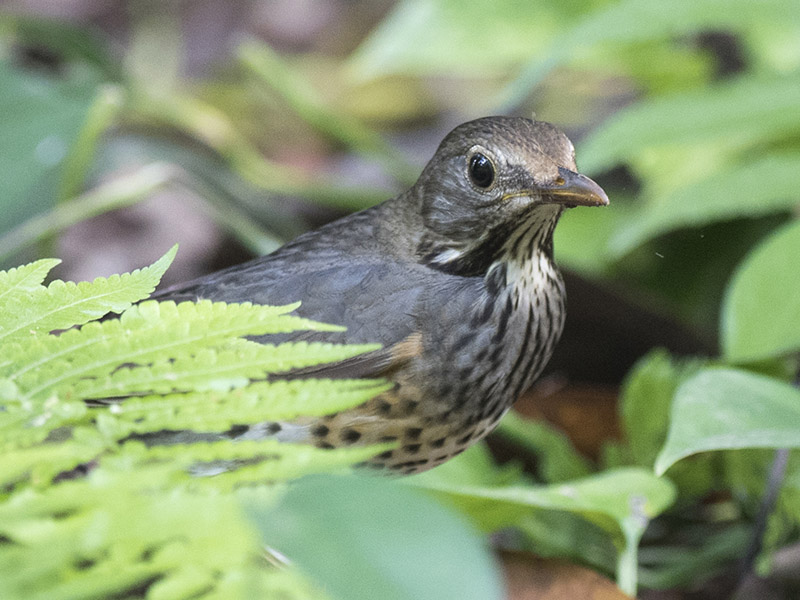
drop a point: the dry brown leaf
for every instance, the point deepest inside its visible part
(586, 413)
(530, 577)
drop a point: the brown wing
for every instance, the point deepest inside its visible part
(378, 363)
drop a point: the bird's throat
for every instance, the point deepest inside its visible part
(514, 244)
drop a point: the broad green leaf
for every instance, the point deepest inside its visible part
(423, 37)
(118, 192)
(645, 406)
(739, 113)
(558, 459)
(633, 21)
(64, 304)
(761, 309)
(765, 185)
(608, 499)
(361, 538)
(726, 409)
(582, 236)
(620, 501)
(42, 118)
(646, 400)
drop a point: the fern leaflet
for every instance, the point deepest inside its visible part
(62, 304)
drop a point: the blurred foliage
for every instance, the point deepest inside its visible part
(685, 111)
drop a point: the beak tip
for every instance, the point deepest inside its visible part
(578, 190)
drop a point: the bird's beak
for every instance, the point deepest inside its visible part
(574, 189)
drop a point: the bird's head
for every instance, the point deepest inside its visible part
(492, 179)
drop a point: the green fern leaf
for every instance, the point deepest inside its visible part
(104, 537)
(43, 462)
(259, 402)
(145, 333)
(26, 278)
(16, 430)
(23, 425)
(65, 304)
(148, 518)
(210, 369)
(225, 464)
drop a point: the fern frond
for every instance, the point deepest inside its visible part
(78, 540)
(145, 333)
(21, 426)
(148, 518)
(40, 464)
(247, 461)
(62, 304)
(259, 402)
(16, 431)
(26, 278)
(211, 369)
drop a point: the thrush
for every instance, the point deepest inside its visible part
(454, 278)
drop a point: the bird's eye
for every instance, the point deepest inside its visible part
(481, 170)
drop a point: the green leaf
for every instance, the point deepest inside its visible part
(582, 236)
(607, 499)
(761, 309)
(41, 463)
(725, 409)
(118, 192)
(212, 369)
(558, 459)
(26, 278)
(146, 332)
(47, 117)
(274, 71)
(645, 405)
(765, 185)
(362, 538)
(105, 536)
(258, 402)
(620, 501)
(632, 21)
(64, 304)
(739, 113)
(424, 37)
(224, 465)
(110, 516)
(646, 401)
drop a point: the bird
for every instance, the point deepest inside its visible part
(454, 278)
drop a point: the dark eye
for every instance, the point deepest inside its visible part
(481, 170)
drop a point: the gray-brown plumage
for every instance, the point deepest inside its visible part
(454, 278)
